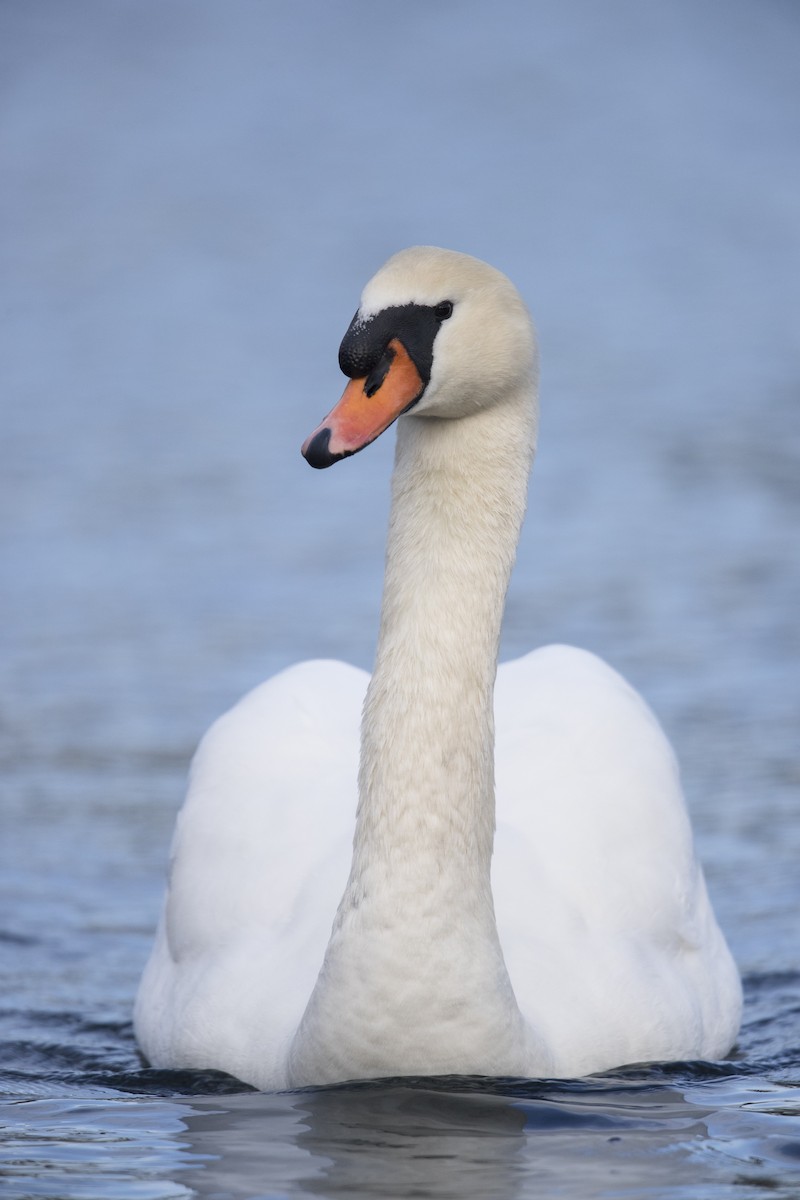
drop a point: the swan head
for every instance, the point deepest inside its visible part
(437, 332)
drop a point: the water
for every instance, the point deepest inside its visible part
(193, 195)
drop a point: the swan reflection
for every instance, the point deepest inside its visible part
(441, 1139)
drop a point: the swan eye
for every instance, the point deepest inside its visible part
(444, 310)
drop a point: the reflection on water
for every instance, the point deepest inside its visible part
(440, 1138)
(402, 1142)
(450, 1139)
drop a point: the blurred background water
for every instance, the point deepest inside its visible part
(192, 197)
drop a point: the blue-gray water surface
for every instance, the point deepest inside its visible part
(193, 195)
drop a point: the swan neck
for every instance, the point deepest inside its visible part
(426, 784)
(414, 957)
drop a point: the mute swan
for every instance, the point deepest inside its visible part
(588, 940)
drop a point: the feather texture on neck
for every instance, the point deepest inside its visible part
(425, 824)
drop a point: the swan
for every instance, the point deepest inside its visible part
(306, 939)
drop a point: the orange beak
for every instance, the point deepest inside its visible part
(367, 407)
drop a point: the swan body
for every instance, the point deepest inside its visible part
(451, 900)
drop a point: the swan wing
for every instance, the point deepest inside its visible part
(609, 938)
(259, 861)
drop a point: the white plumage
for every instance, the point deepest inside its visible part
(593, 944)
